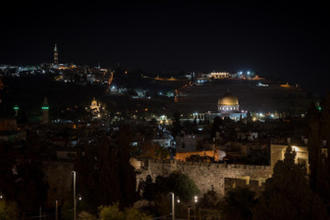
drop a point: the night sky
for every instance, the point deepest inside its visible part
(284, 41)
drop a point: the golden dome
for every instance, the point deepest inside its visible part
(228, 100)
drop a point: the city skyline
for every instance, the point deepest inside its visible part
(289, 42)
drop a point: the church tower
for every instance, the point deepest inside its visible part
(55, 55)
(45, 111)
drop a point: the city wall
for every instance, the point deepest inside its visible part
(218, 176)
(207, 175)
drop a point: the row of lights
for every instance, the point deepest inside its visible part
(241, 73)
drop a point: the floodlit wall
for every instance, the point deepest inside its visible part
(207, 175)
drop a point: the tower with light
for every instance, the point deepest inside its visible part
(55, 55)
(45, 111)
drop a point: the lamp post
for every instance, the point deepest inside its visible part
(188, 212)
(56, 205)
(173, 211)
(74, 195)
(196, 200)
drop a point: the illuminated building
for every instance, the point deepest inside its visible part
(55, 55)
(219, 75)
(228, 103)
(95, 107)
(228, 106)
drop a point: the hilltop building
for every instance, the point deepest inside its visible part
(228, 106)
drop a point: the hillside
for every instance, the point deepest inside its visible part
(275, 96)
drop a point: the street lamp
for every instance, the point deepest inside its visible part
(56, 208)
(196, 200)
(74, 195)
(189, 212)
(173, 208)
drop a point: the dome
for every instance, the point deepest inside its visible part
(228, 100)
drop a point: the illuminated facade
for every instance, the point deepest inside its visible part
(95, 107)
(228, 106)
(219, 75)
(55, 55)
(228, 103)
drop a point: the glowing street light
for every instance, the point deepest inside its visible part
(196, 200)
(173, 211)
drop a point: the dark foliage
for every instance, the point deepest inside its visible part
(104, 173)
(238, 204)
(180, 184)
(22, 176)
(287, 194)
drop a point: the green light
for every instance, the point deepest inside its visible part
(16, 107)
(319, 108)
(44, 107)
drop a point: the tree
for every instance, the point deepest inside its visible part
(181, 185)
(238, 204)
(318, 130)
(112, 212)
(8, 210)
(105, 174)
(217, 122)
(149, 189)
(314, 141)
(22, 176)
(287, 194)
(126, 171)
(210, 200)
(135, 214)
(176, 125)
(83, 215)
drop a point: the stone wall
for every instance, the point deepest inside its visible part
(207, 175)
(214, 175)
(253, 185)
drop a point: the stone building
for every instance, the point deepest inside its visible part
(220, 176)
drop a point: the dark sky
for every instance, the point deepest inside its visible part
(278, 40)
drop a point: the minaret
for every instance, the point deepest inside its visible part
(55, 55)
(45, 111)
